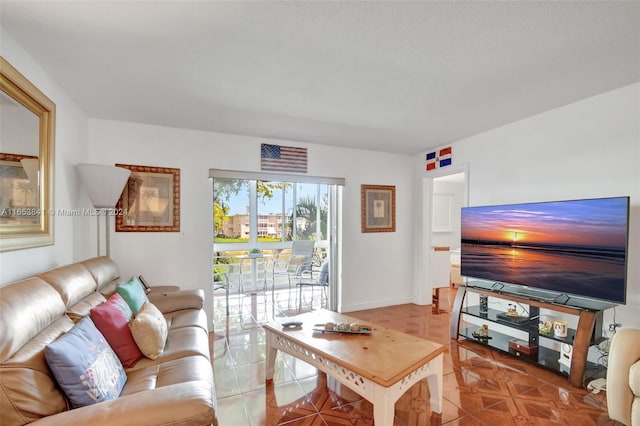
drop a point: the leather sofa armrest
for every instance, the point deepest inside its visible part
(623, 353)
(171, 301)
(162, 288)
(189, 403)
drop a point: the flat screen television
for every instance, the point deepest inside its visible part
(574, 247)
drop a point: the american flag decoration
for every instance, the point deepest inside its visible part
(283, 158)
(439, 158)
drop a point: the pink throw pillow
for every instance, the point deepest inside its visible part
(112, 319)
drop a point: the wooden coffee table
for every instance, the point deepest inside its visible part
(380, 366)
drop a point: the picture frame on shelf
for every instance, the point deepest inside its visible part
(378, 208)
(150, 201)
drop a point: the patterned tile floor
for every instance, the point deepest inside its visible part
(481, 386)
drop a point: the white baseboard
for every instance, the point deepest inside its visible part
(375, 304)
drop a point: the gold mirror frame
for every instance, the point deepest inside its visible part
(20, 236)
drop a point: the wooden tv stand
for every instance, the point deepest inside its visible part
(581, 338)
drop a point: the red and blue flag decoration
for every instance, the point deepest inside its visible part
(439, 158)
(283, 158)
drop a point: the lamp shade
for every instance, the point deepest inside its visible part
(104, 183)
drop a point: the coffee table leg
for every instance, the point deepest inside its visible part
(435, 385)
(271, 358)
(383, 408)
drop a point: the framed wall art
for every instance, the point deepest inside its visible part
(378, 205)
(150, 201)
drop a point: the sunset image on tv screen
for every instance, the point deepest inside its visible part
(574, 247)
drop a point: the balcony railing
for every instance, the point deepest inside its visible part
(236, 269)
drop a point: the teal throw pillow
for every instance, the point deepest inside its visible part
(133, 293)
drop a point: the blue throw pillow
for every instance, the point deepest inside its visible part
(133, 293)
(323, 276)
(85, 366)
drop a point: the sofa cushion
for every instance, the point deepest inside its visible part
(175, 393)
(186, 318)
(28, 390)
(112, 319)
(133, 292)
(149, 329)
(26, 308)
(85, 367)
(83, 307)
(181, 370)
(181, 342)
(108, 289)
(73, 282)
(103, 269)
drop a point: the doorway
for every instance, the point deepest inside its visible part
(445, 193)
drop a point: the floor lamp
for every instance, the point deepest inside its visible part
(104, 185)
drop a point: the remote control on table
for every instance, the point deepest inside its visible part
(292, 324)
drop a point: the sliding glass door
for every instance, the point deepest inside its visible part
(255, 212)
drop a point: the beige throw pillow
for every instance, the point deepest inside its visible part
(149, 330)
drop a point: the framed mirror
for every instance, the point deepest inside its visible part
(27, 130)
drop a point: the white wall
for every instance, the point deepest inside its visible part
(588, 149)
(376, 267)
(71, 148)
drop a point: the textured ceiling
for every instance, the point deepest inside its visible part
(387, 76)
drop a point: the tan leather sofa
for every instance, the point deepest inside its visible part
(175, 389)
(623, 377)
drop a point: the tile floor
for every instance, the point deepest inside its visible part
(481, 386)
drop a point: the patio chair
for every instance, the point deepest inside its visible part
(226, 277)
(298, 263)
(307, 280)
